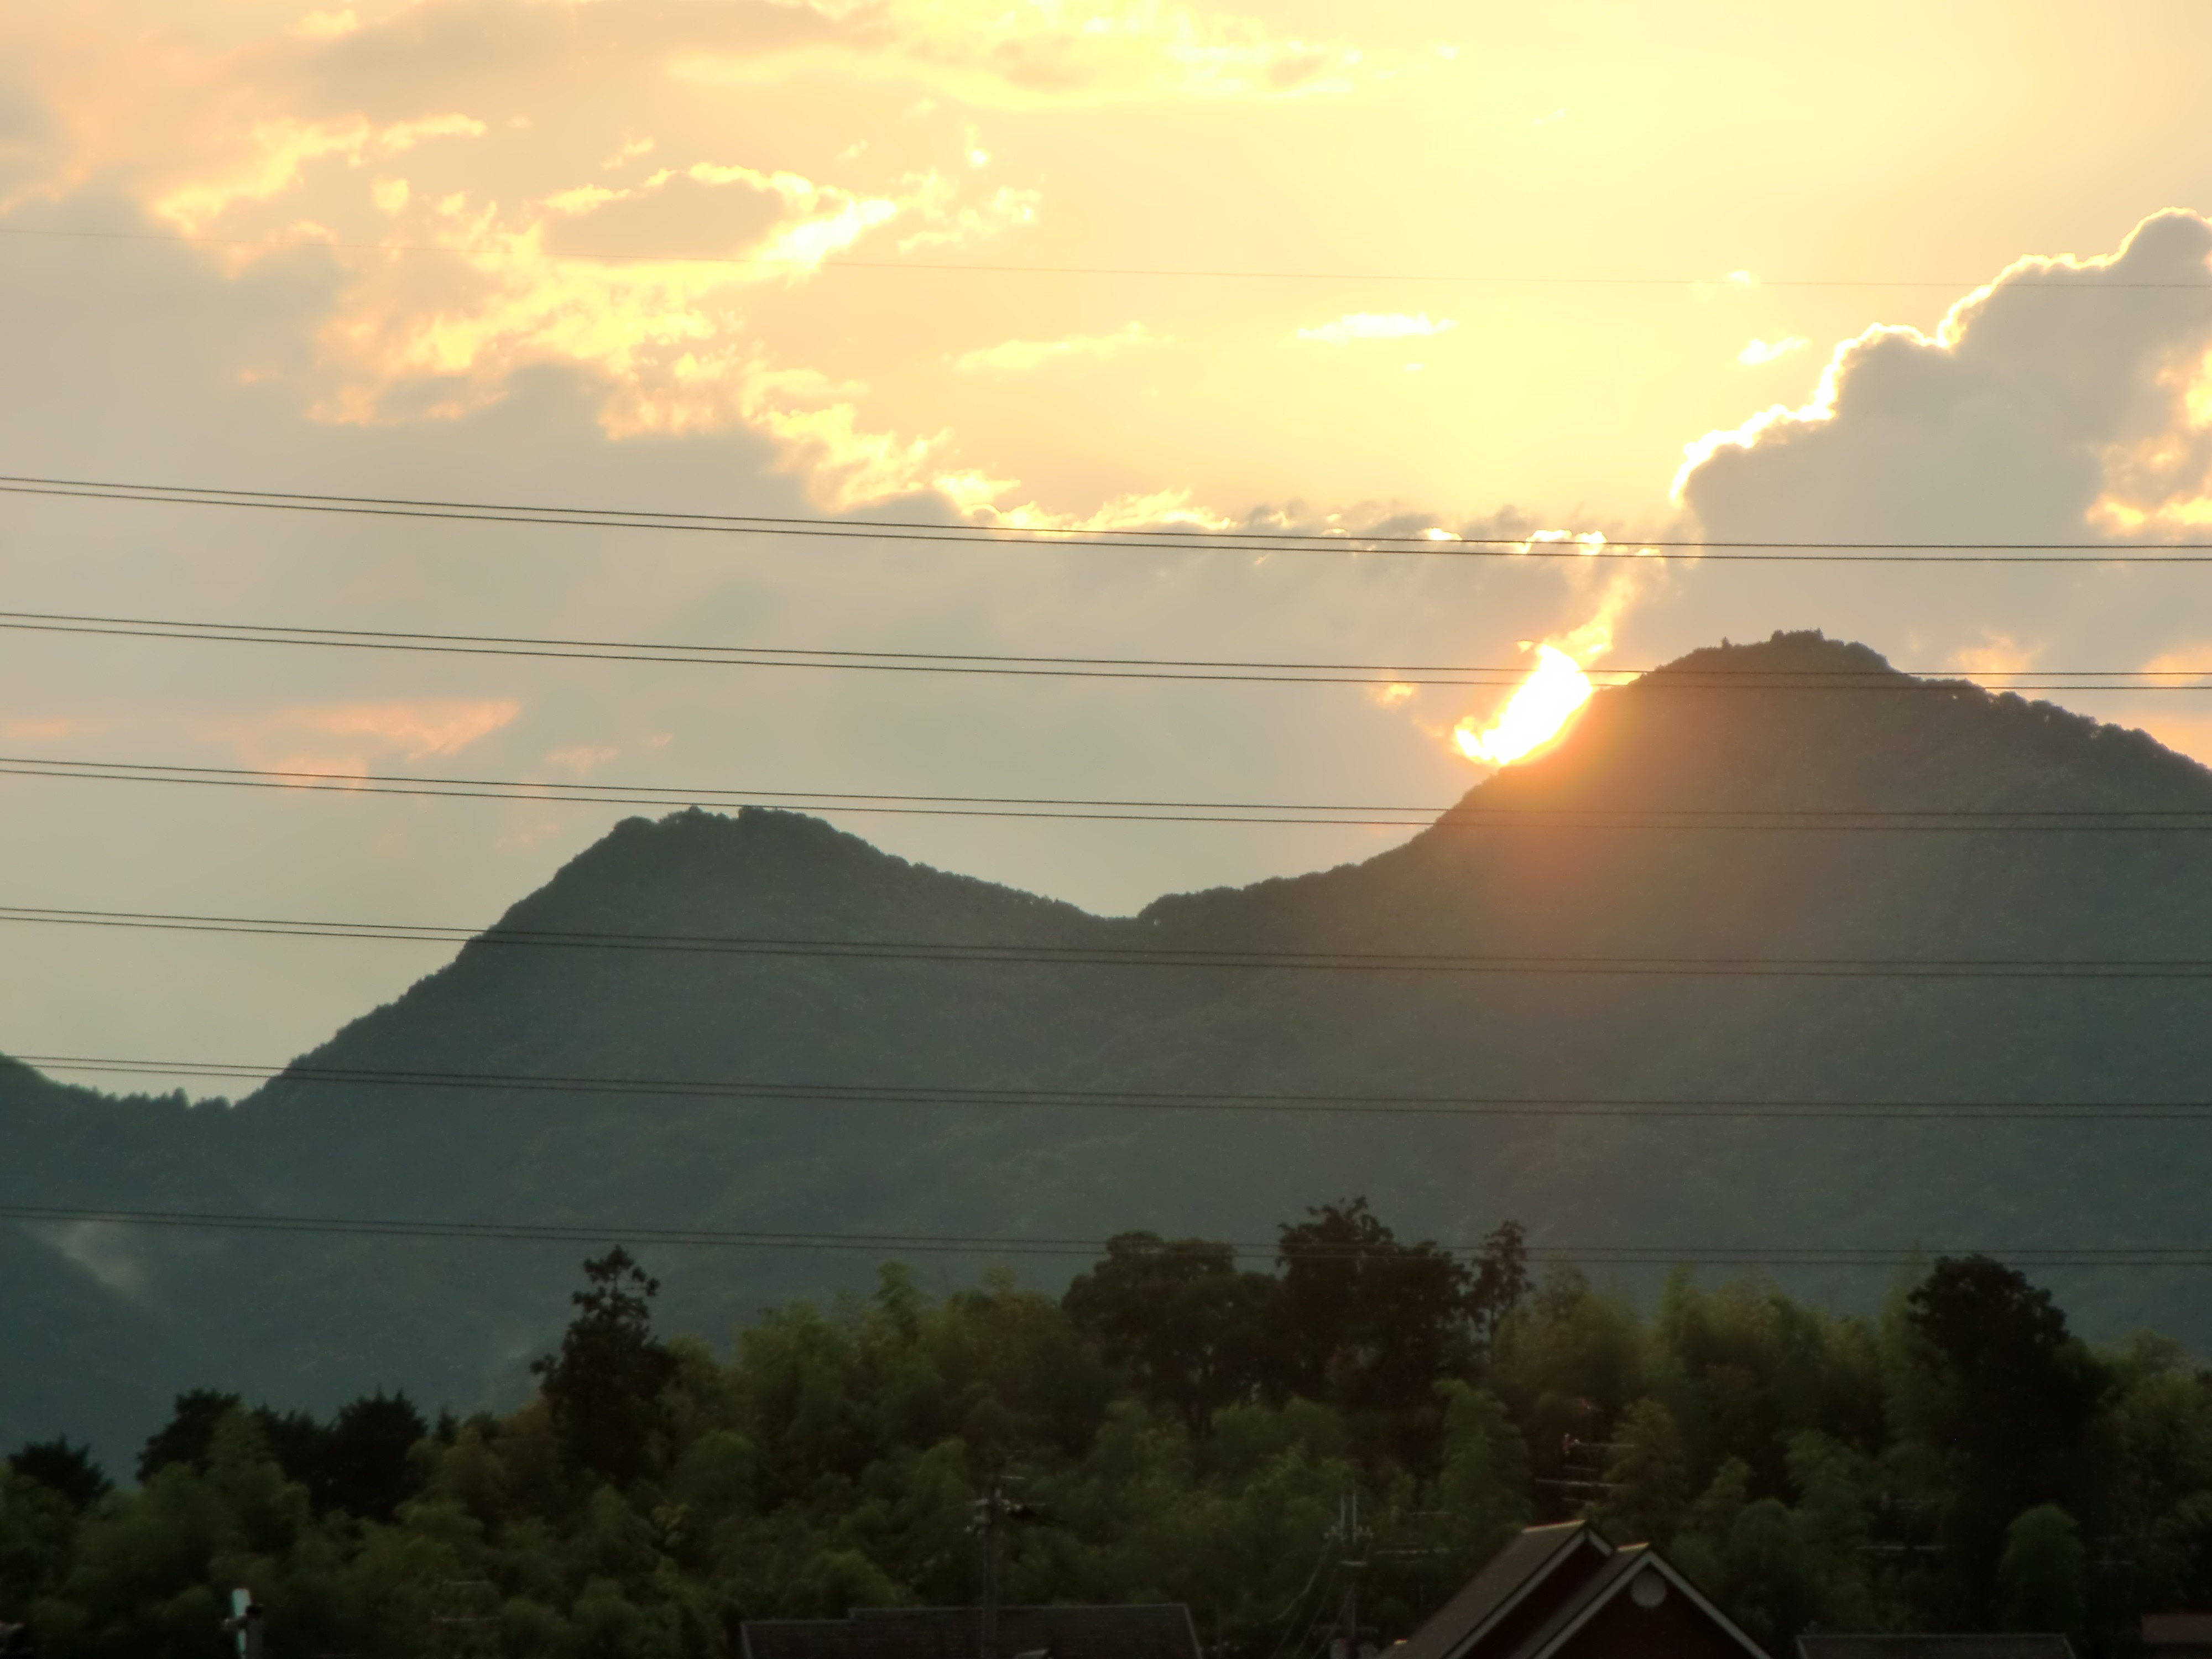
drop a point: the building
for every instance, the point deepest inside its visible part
(1818, 1646)
(1148, 1630)
(1562, 1592)
(2178, 1635)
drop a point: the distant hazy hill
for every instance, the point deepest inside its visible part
(1797, 724)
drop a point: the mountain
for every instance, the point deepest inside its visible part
(1619, 842)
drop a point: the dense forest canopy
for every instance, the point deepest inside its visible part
(1178, 1425)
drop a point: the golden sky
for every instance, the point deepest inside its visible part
(1110, 262)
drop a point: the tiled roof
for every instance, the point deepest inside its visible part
(2177, 1630)
(1150, 1631)
(1934, 1647)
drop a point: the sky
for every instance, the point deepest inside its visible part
(1740, 271)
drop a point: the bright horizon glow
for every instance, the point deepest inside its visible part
(1540, 706)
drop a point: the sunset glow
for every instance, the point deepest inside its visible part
(1540, 706)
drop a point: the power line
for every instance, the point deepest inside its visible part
(1073, 667)
(1437, 543)
(967, 1244)
(1463, 816)
(957, 268)
(1134, 1100)
(1086, 810)
(1010, 954)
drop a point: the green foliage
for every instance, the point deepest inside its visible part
(1803, 1469)
(2042, 1577)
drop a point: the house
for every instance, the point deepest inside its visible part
(1562, 1592)
(2178, 1635)
(1934, 1647)
(1147, 1630)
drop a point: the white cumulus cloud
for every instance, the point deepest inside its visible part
(2069, 397)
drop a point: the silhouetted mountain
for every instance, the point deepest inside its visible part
(1602, 863)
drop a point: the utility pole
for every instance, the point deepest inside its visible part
(993, 1510)
(243, 1624)
(1355, 1542)
(1352, 1539)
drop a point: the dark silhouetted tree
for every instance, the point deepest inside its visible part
(2011, 1398)
(1371, 1325)
(187, 1435)
(366, 1469)
(1501, 1278)
(603, 1388)
(1187, 1328)
(62, 1468)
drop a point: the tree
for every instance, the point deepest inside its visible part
(2042, 1577)
(188, 1435)
(365, 1469)
(1187, 1328)
(1501, 1278)
(603, 1388)
(2013, 1398)
(1371, 1325)
(61, 1468)
(1647, 1477)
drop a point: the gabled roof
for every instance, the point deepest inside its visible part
(1146, 1631)
(1934, 1647)
(1628, 1564)
(1507, 1580)
(1535, 1595)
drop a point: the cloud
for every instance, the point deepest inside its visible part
(325, 25)
(1058, 50)
(582, 758)
(1019, 357)
(1378, 325)
(275, 153)
(1757, 354)
(344, 738)
(2067, 399)
(1997, 653)
(2193, 659)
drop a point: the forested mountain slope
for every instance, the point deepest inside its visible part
(1622, 848)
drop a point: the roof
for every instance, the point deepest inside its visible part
(2176, 1630)
(1146, 1631)
(1506, 1581)
(1534, 1597)
(1628, 1564)
(2023, 1646)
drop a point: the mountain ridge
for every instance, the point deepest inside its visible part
(1724, 729)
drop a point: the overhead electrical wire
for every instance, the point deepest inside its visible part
(1079, 809)
(1073, 667)
(1841, 1256)
(1228, 274)
(1129, 1100)
(1438, 544)
(1034, 956)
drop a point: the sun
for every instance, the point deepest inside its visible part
(1540, 706)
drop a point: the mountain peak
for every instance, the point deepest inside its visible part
(1804, 651)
